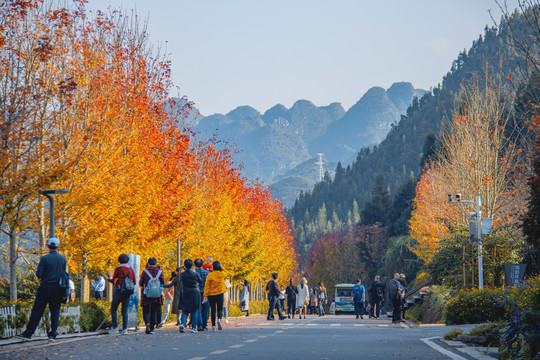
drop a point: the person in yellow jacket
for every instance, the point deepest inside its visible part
(214, 288)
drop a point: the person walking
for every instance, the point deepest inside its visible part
(150, 301)
(273, 294)
(244, 296)
(51, 271)
(119, 297)
(190, 300)
(214, 288)
(205, 307)
(313, 305)
(394, 291)
(226, 301)
(402, 294)
(321, 298)
(177, 285)
(302, 297)
(168, 292)
(376, 294)
(290, 291)
(359, 297)
(99, 287)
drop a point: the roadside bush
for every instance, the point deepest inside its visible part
(453, 334)
(521, 339)
(491, 331)
(432, 308)
(475, 306)
(255, 307)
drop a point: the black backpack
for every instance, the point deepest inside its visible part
(380, 291)
(127, 287)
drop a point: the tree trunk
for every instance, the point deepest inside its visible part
(42, 228)
(12, 265)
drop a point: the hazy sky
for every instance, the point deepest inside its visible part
(227, 53)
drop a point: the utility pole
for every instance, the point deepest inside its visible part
(478, 215)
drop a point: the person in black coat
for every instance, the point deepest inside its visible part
(273, 295)
(50, 270)
(376, 294)
(191, 295)
(290, 291)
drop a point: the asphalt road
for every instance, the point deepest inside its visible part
(328, 337)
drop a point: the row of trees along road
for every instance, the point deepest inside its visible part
(85, 106)
(474, 135)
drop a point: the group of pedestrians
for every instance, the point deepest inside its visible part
(300, 299)
(372, 298)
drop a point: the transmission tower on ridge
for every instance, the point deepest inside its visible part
(320, 162)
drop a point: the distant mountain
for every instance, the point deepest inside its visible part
(284, 142)
(366, 123)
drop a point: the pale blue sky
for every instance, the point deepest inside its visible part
(227, 53)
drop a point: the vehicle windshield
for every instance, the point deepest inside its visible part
(343, 292)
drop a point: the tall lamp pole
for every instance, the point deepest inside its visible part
(478, 215)
(49, 195)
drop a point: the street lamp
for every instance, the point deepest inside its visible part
(49, 195)
(478, 215)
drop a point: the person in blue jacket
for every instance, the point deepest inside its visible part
(359, 297)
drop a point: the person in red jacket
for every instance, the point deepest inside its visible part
(120, 273)
(208, 265)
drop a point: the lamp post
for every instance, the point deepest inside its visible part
(49, 195)
(478, 215)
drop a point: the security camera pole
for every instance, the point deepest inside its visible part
(49, 195)
(478, 204)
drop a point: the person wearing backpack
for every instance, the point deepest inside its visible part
(359, 297)
(376, 294)
(123, 280)
(151, 283)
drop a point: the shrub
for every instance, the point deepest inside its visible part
(474, 306)
(453, 334)
(491, 331)
(432, 308)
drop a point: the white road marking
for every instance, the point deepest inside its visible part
(236, 346)
(448, 353)
(251, 340)
(383, 325)
(262, 336)
(361, 325)
(335, 324)
(287, 324)
(198, 358)
(312, 324)
(278, 332)
(218, 352)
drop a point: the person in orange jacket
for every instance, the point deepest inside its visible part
(214, 288)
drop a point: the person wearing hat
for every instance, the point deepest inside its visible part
(302, 297)
(50, 270)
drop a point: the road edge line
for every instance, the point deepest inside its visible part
(440, 349)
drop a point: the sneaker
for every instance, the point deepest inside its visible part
(125, 332)
(159, 326)
(361, 317)
(113, 331)
(51, 336)
(151, 332)
(193, 330)
(226, 320)
(181, 328)
(23, 337)
(219, 324)
(213, 328)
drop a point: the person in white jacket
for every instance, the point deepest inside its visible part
(302, 297)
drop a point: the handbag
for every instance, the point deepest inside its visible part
(243, 303)
(306, 302)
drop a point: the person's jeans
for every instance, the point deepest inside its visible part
(321, 307)
(194, 317)
(203, 315)
(150, 314)
(216, 305)
(396, 314)
(274, 303)
(359, 309)
(116, 301)
(46, 294)
(225, 312)
(98, 295)
(168, 303)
